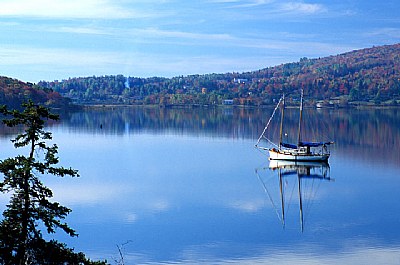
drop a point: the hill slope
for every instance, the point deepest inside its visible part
(367, 75)
(14, 92)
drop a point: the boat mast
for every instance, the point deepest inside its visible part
(301, 205)
(281, 128)
(300, 118)
(282, 200)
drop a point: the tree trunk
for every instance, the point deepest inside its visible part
(22, 255)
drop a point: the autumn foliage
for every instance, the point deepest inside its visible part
(14, 92)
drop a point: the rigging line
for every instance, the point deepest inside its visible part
(269, 121)
(313, 195)
(291, 196)
(307, 191)
(325, 127)
(328, 131)
(269, 195)
(268, 140)
(264, 153)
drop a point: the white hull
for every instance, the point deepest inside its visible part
(276, 164)
(295, 155)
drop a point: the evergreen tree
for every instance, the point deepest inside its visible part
(29, 209)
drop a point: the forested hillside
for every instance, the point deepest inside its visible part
(367, 75)
(14, 92)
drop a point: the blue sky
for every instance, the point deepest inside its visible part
(57, 39)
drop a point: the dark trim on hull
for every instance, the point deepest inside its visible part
(324, 159)
(300, 157)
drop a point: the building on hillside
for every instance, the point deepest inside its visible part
(240, 80)
(228, 102)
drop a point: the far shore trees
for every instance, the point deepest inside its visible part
(369, 75)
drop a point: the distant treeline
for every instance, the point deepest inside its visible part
(14, 92)
(368, 75)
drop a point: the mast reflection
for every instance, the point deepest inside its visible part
(302, 177)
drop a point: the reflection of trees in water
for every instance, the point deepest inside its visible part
(7, 132)
(372, 128)
(221, 122)
(372, 134)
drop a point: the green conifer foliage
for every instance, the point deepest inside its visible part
(30, 208)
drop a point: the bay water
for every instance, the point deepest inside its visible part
(187, 186)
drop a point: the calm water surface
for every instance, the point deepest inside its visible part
(188, 187)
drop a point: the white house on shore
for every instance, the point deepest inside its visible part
(240, 80)
(228, 102)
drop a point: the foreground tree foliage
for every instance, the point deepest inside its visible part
(29, 209)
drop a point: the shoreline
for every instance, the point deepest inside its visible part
(349, 106)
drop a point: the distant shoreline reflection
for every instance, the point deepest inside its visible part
(361, 129)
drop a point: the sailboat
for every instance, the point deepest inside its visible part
(303, 150)
(304, 171)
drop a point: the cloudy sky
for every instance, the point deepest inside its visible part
(58, 39)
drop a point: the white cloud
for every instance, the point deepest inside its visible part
(256, 3)
(66, 9)
(384, 32)
(160, 205)
(224, 1)
(304, 8)
(56, 63)
(251, 3)
(276, 7)
(157, 33)
(60, 63)
(248, 3)
(131, 218)
(243, 4)
(37, 56)
(82, 30)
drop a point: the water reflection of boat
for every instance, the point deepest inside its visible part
(303, 150)
(310, 171)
